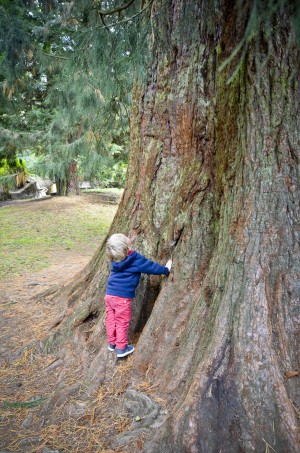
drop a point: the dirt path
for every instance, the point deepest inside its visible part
(26, 377)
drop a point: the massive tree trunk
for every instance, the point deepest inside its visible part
(213, 180)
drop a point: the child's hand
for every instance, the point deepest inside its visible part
(169, 264)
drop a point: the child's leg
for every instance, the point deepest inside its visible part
(110, 320)
(122, 315)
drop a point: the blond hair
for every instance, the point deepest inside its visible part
(117, 247)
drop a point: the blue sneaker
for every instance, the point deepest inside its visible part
(126, 351)
(111, 347)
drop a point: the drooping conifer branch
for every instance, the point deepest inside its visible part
(103, 22)
(116, 10)
(128, 19)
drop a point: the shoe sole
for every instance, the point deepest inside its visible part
(125, 353)
(111, 349)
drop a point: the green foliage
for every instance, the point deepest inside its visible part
(113, 176)
(71, 93)
(11, 165)
(22, 404)
(15, 42)
(4, 167)
(8, 168)
(22, 77)
(91, 93)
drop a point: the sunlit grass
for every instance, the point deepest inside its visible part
(113, 190)
(28, 237)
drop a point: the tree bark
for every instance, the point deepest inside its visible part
(72, 184)
(213, 180)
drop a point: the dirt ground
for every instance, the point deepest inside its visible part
(24, 378)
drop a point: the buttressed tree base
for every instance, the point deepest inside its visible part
(213, 180)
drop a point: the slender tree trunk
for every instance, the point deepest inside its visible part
(213, 180)
(62, 188)
(72, 184)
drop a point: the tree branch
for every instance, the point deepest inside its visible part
(55, 56)
(103, 22)
(116, 10)
(128, 19)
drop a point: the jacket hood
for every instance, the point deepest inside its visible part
(120, 266)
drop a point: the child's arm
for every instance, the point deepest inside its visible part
(146, 266)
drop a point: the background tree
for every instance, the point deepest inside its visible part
(24, 77)
(67, 76)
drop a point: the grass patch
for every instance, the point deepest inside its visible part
(32, 233)
(22, 404)
(113, 190)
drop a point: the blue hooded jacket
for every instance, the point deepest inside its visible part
(125, 275)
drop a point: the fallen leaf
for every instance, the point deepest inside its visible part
(289, 374)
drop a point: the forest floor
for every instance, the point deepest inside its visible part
(26, 378)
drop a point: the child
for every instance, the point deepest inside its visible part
(126, 268)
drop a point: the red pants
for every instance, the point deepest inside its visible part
(118, 314)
